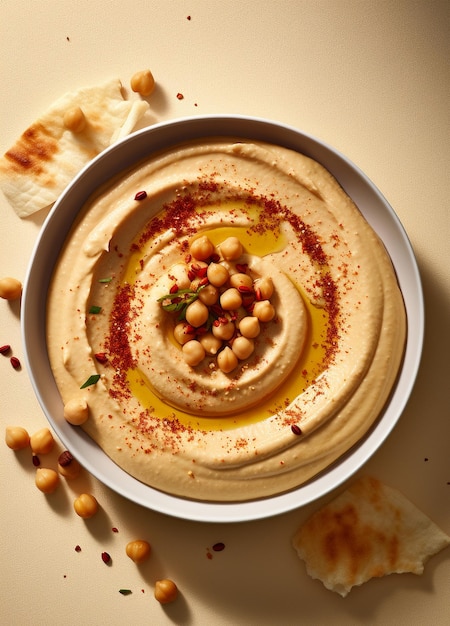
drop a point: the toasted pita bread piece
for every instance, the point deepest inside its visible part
(47, 156)
(370, 530)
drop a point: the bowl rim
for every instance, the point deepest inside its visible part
(168, 134)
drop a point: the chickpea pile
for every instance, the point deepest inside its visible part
(221, 306)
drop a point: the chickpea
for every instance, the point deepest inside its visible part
(138, 550)
(10, 288)
(197, 313)
(16, 437)
(210, 344)
(68, 466)
(76, 411)
(46, 479)
(227, 360)
(241, 280)
(264, 288)
(208, 295)
(264, 311)
(217, 274)
(202, 248)
(143, 83)
(193, 352)
(231, 299)
(42, 441)
(85, 505)
(224, 330)
(165, 591)
(249, 327)
(75, 120)
(243, 347)
(231, 249)
(182, 334)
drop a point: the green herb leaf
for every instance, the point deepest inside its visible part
(105, 280)
(125, 592)
(95, 309)
(92, 380)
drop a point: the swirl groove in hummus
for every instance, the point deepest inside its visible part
(320, 374)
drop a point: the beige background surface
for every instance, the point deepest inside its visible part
(370, 78)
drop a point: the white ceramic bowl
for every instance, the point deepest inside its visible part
(119, 157)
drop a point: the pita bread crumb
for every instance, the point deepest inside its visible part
(370, 530)
(47, 156)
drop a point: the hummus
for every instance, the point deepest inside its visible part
(320, 370)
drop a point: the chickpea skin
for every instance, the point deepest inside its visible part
(16, 437)
(231, 299)
(193, 352)
(42, 441)
(202, 248)
(227, 360)
(138, 550)
(143, 83)
(249, 327)
(197, 313)
(46, 479)
(86, 506)
(10, 288)
(231, 248)
(165, 591)
(75, 120)
(264, 311)
(217, 274)
(76, 411)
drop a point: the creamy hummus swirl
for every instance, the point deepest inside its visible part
(320, 375)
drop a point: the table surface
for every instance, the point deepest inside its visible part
(371, 79)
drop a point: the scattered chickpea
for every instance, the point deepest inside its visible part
(68, 466)
(16, 437)
(143, 83)
(231, 249)
(231, 299)
(10, 288)
(224, 331)
(86, 506)
(227, 360)
(243, 347)
(241, 280)
(210, 344)
(181, 333)
(46, 479)
(197, 313)
(217, 274)
(264, 287)
(165, 591)
(42, 441)
(202, 248)
(76, 411)
(193, 352)
(208, 295)
(75, 120)
(138, 550)
(264, 311)
(249, 327)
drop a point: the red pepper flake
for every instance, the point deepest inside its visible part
(180, 96)
(296, 429)
(218, 547)
(114, 529)
(5, 349)
(101, 357)
(189, 18)
(15, 362)
(77, 548)
(36, 460)
(106, 558)
(173, 289)
(141, 195)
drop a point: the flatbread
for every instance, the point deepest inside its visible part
(370, 530)
(47, 156)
